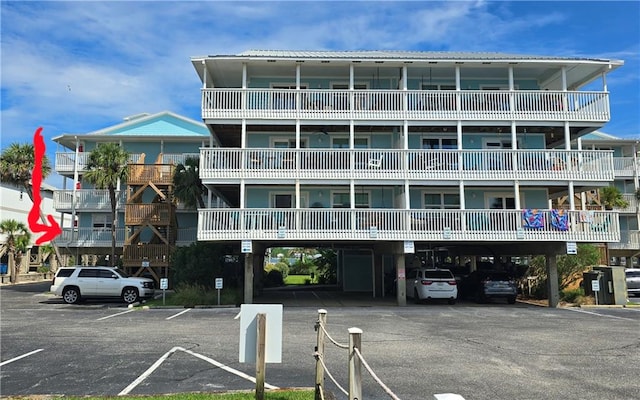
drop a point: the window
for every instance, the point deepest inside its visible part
(501, 202)
(439, 143)
(103, 273)
(426, 86)
(343, 143)
(287, 200)
(101, 221)
(88, 273)
(442, 201)
(286, 143)
(341, 200)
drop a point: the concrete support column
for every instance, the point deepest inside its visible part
(401, 276)
(552, 280)
(248, 278)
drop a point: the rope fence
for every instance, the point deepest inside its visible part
(356, 364)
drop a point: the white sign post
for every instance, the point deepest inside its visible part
(595, 286)
(218, 287)
(164, 285)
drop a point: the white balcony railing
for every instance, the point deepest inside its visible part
(90, 237)
(390, 224)
(65, 161)
(175, 159)
(227, 164)
(405, 104)
(98, 237)
(629, 240)
(624, 166)
(86, 200)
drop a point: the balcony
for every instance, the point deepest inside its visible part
(157, 255)
(306, 104)
(624, 167)
(99, 237)
(151, 213)
(90, 237)
(85, 200)
(218, 165)
(159, 174)
(629, 240)
(398, 225)
(65, 161)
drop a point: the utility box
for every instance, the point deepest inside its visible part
(612, 284)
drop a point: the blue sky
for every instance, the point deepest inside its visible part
(75, 67)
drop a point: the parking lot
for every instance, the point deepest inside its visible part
(490, 351)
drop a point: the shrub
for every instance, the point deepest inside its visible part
(273, 278)
(571, 295)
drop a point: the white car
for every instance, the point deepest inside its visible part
(425, 284)
(76, 283)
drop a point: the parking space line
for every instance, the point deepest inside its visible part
(166, 355)
(19, 357)
(178, 314)
(115, 315)
(600, 315)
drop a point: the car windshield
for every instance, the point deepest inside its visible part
(633, 274)
(438, 274)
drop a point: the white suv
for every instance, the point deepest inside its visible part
(75, 283)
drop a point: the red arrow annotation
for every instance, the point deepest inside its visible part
(53, 229)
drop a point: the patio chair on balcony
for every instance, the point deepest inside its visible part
(375, 162)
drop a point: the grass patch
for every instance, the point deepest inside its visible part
(289, 394)
(297, 280)
(195, 295)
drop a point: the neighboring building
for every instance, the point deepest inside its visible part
(150, 222)
(626, 170)
(16, 204)
(382, 155)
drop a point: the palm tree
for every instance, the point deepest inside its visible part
(188, 187)
(16, 167)
(106, 166)
(611, 197)
(17, 240)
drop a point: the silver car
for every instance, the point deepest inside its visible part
(633, 281)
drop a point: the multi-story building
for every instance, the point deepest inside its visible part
(626, 172)
(16, 205)
(150, 222)
(385, 155)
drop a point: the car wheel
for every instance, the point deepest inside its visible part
(416, 298)
(71, 295)
(511, 300)
(452, 301)
(130, 295)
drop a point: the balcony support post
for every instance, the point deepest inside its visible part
(552, 279)
(248, 278)
(401, 279)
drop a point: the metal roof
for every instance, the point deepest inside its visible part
(399, 55)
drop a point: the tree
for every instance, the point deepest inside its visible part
(570, 266)
(611, 197)
(188, 187)
(106, 167)
(17, 241)
(16, 167)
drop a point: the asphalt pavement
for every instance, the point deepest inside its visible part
(491, 351)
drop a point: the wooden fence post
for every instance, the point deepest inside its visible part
(261, 322)
(355, 365)
(322, 322)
